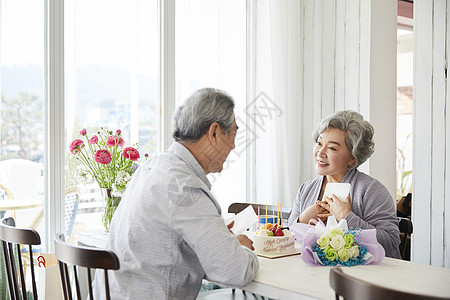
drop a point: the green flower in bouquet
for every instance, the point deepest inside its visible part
(339, 247)
(349, 240)
(108, 162)
(323, 242)
(331, 253)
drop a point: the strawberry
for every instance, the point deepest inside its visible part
(279, 232)
(274, 228)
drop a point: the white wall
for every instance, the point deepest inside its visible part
(431, 145)
(349, 58)
(350, 63)
(326, 56)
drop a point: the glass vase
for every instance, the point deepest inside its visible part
(109, 206)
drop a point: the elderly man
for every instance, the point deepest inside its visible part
(168, 231)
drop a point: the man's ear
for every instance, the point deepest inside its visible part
(212, 131)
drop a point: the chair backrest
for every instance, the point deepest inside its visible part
(76, 256)
(71, 202)
(405, 227)
(5, 194)
(12, 238)
(351, 288)
(237, 207)
(404, 206)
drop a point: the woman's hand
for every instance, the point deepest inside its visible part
(338, 208)
(315, 212)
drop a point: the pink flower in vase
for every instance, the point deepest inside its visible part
(112, 140)
(83, 131)
(93, 140)
(118, 132)
(103, 156)
(76, 146)
(131, 153)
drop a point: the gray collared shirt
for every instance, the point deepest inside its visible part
(168, 234)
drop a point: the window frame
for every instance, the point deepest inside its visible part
(55, 103)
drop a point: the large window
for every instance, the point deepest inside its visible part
(112, 77)
(405, 45)
(22, 108)
(404, 111)
(112, 80)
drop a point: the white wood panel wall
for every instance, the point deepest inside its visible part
(347, 60)
(352, 54)
(350, 63)
(309, 105)
(328, 64)
(382, 70)
(431, 203)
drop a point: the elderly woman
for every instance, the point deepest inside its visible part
(343, 142)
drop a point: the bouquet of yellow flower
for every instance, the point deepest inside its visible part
(334, 244)
(108, 162)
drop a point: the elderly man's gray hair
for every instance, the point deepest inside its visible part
(358, 133)
(193, 118)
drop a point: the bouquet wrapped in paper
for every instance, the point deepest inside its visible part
(334, 244)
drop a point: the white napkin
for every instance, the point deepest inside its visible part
(243, 220)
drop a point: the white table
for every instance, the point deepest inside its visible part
(93, 238)
(291, 278)
(16, 204)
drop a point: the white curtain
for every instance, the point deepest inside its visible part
(275, 110)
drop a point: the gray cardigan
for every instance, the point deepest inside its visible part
(372, 207)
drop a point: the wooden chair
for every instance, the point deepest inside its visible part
(237, 207)
(77, 256)
(12, 238)
(406, 229)
(354, 288)
(71, 202)
(5, 194)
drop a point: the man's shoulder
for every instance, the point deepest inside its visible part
(167, 161)
(171, 168)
